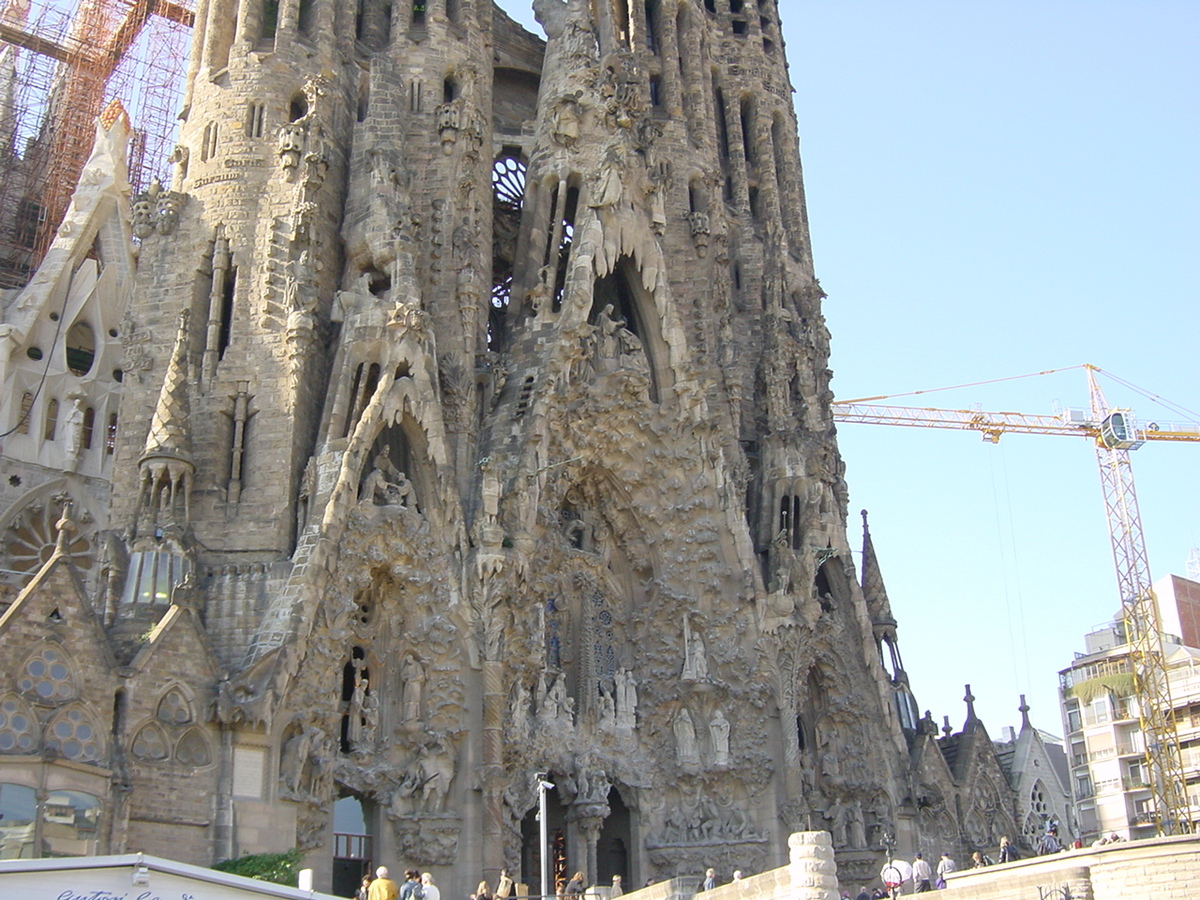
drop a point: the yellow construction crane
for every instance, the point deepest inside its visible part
(1115, 432)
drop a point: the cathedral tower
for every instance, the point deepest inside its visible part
(479, 436)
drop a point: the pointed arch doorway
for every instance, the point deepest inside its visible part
(614, 849)
(352, 845)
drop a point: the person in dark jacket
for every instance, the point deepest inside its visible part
(574, 887)
(1008, 853)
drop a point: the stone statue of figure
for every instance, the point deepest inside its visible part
(74, 427)
(687, 752)
(608, 346)
(718, 730)
(491, 492)
(695, 660)
(606, 190)
(630, 345)
(830, 764)
(565, 129)
(386, 485)
(370, 716)
(436, 767)
(857, 828)
(412, 677)
(545, 707)
(300, 279)
(520, 709)
(294, 757)
(837, 814)
(565, 703)
(355, 723)
(626, 699)
(539, 297)
(607, 706)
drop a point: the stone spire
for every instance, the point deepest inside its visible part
(883, 623)
(873, 588)
(170, 433)
(1024, 710)
(166, 463)
(969, 699)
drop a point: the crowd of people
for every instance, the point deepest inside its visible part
(416, 886)
(923, 876)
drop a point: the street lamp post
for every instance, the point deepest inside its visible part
(543, 831)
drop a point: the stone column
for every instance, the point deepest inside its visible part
(668, 51)
(811, 869)
(493, 769)
(589, 828)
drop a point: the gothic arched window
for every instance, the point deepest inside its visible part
(18, 726)
(508, 196)
(150, 743)
(48, 676)
(174, 708)
(193, 749)
(73, 733)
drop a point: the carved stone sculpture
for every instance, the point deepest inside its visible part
(718, 729)
(686, 750)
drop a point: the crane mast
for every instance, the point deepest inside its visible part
(1114, 434)
(1143, 629)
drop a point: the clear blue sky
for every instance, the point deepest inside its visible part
(997, 188)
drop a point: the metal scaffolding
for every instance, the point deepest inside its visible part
(61, 63)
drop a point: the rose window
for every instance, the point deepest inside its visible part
(47, 676)
(31, 538)
(508, 182)
(74, 736)
(18, 728)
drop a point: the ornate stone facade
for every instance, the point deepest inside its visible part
(475, 426)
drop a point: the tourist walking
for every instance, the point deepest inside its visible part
(483, 892)
(710, 880)
(922, 875)
(1050, 843)
(364, 889)
(411, 889)
(1008, 853)
(945, 866)
(617, 890)
(429, 890)
(574, 888)
(382, 888)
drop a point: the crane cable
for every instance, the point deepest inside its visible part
(1153, 397)
(1149, 395)
(954, 387)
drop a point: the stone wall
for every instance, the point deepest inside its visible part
(1163, 868)
(811, 874)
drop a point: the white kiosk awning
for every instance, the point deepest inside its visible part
(133, 876)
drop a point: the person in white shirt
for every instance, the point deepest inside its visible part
(432, 891)
(922, 875)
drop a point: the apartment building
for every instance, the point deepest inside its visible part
(1105, 745)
